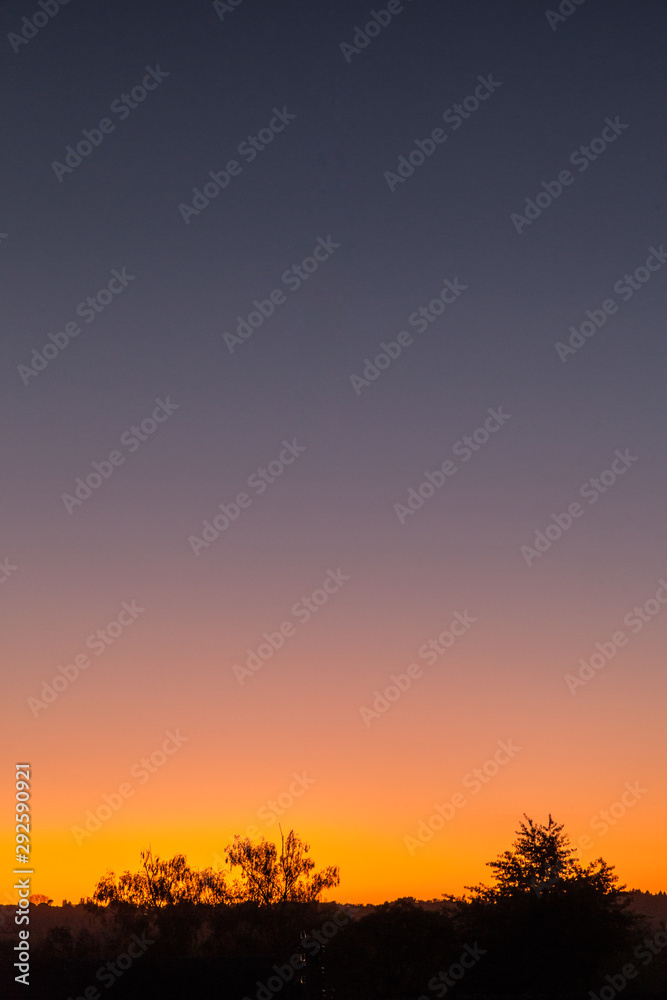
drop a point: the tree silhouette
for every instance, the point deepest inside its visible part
(265, 878)
(161, 883)
(572, 920)
(391, 952)
(268, 879)
(542, 861)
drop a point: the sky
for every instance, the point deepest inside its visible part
(334, 480)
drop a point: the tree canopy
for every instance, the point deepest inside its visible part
(543, 862)
(161, 883)
(266, 878)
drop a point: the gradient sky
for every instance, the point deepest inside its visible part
(333, 508)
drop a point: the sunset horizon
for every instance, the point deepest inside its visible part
(334, 493)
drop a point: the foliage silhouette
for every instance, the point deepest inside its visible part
(549, 922)
(392, 952)
(542, 862)
(161, 883)
(265, 878)
(268, 879)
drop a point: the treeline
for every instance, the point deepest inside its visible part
(547, 926)
(264, 877)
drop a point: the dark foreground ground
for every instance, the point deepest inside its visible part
(405, 950)
(232, 979)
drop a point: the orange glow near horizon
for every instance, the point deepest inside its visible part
(343, 505)
(354, 817)
(368, 786)
(376, 874)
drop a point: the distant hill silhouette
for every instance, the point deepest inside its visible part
(547, 927)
